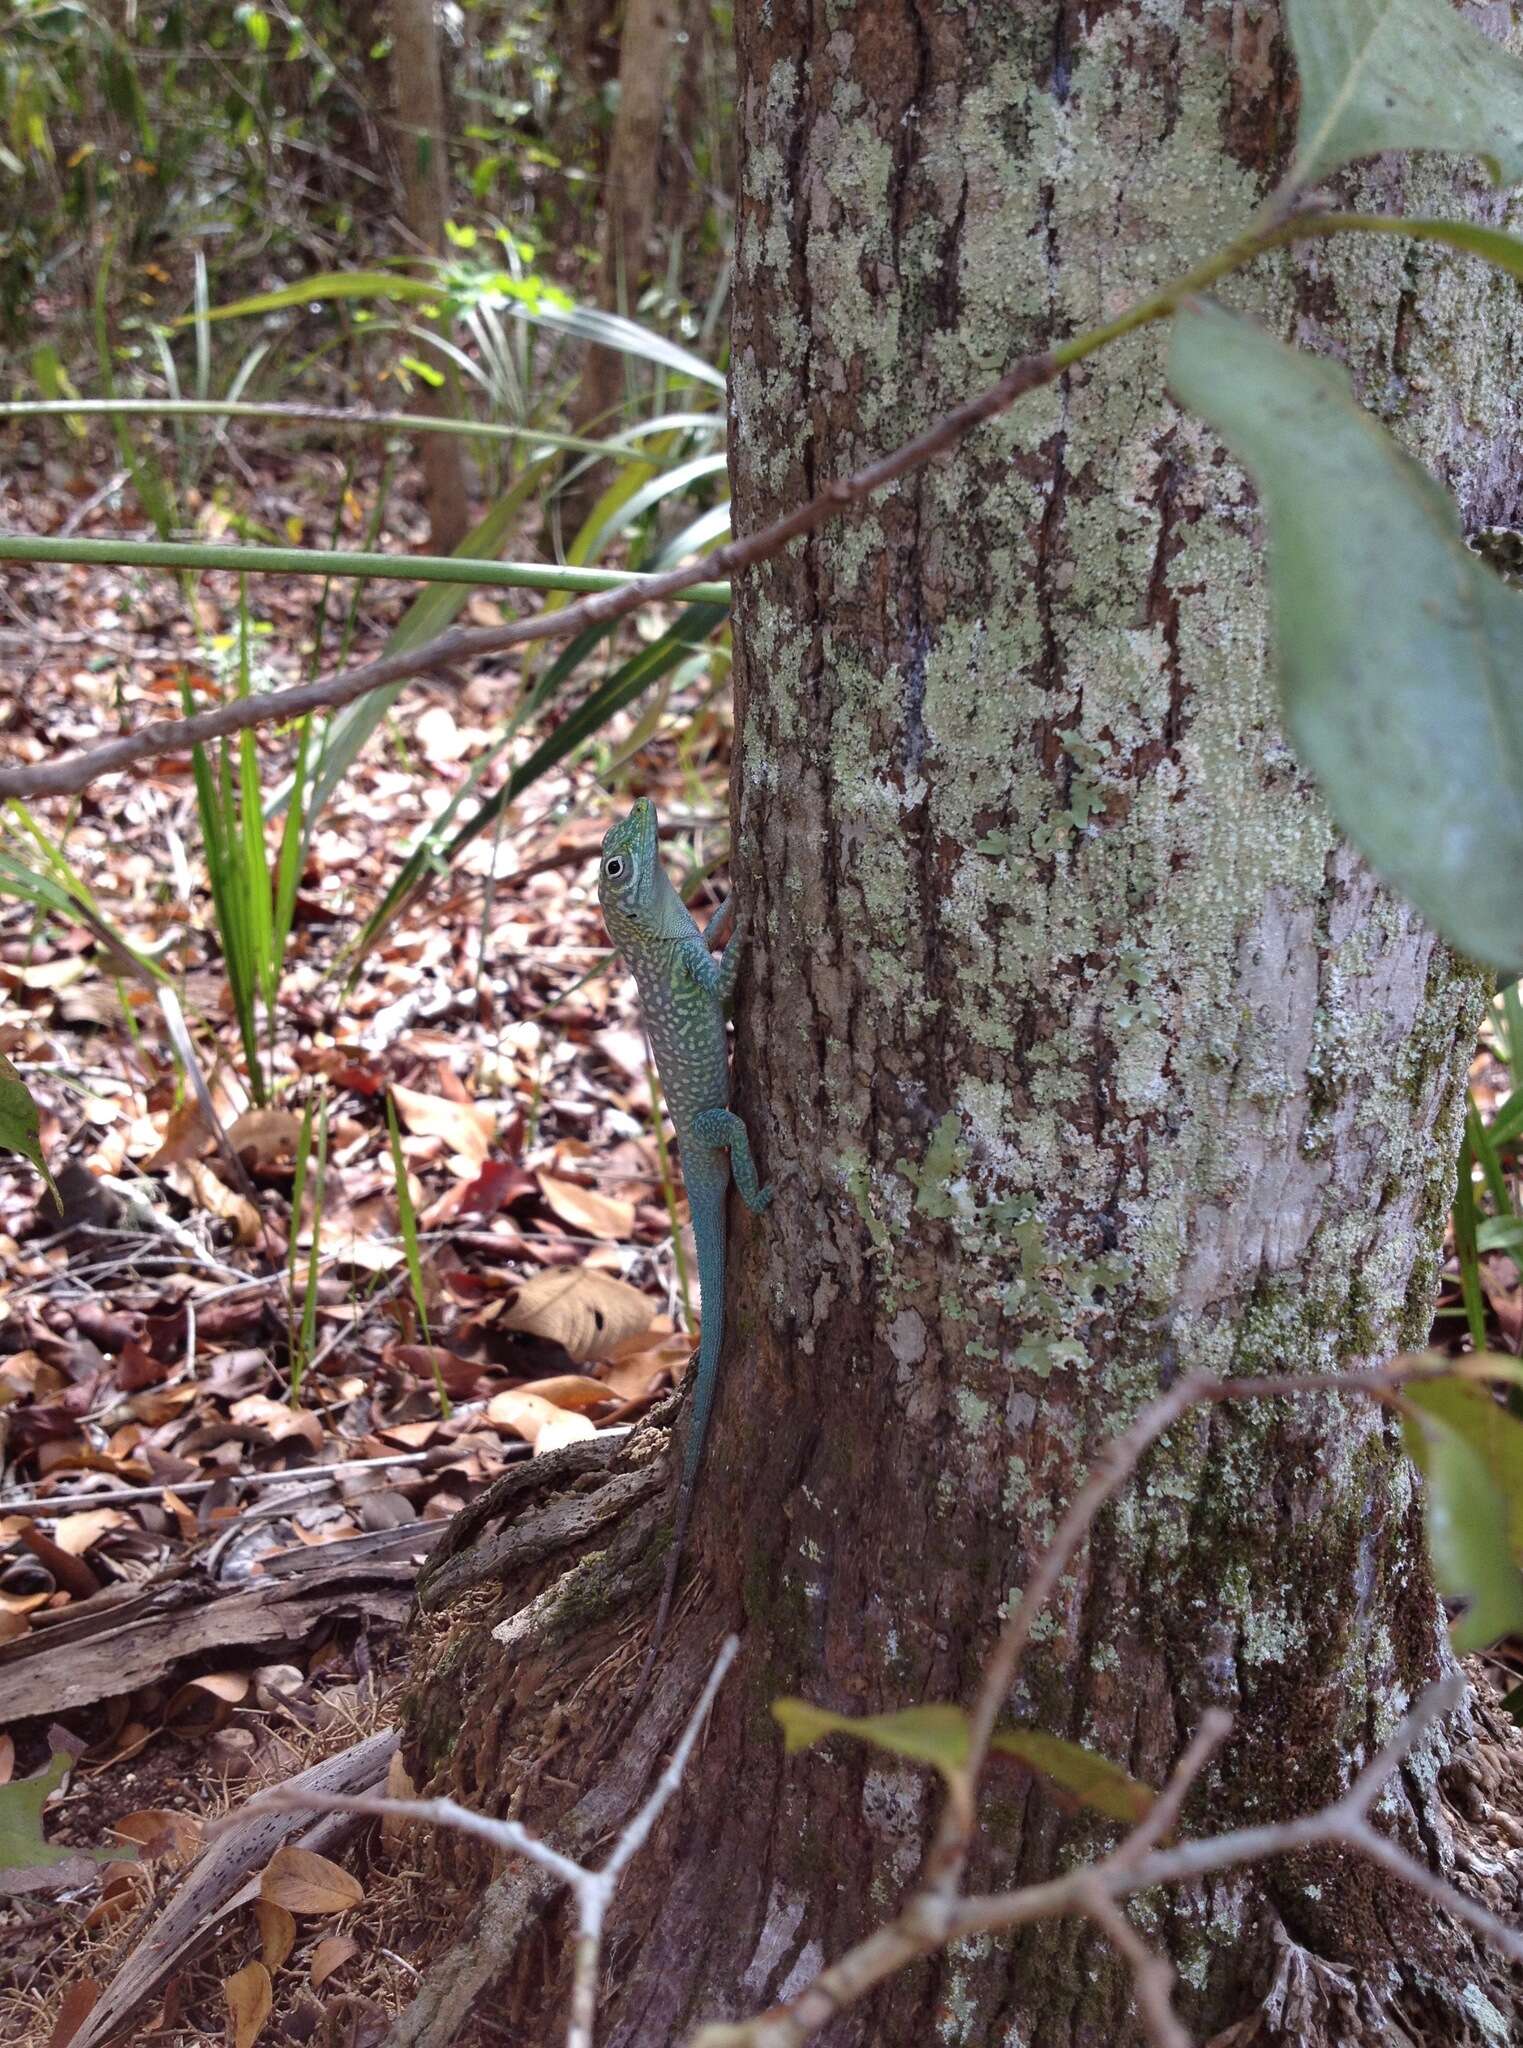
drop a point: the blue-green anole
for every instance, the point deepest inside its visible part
(683, 991)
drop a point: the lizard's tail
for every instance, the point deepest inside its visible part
(711, 1281)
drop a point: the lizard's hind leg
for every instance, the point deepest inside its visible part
(723, 1129)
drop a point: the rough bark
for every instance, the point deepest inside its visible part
(1079, 1048)
(423, 138)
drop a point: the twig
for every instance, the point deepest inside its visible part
(592, 1889)
(464, 645)
(930, 1920)
(295, 1475)
(1153, 1977)
(1109, 1473)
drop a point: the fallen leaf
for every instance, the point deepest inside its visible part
(586, 1312)
(604, 1216)
(465, 1127)
(538, 1422)
(160, 1831)
(78, 2001)
(247, 1993)
(76, 1533)
(331, 1953)
(277, 1933)
(572, 1390)
(186, 1136)
(265, 1137)
(304, 1882)
(194, 1179)
(278, 1419)
(634, 1374)
(399, 1785)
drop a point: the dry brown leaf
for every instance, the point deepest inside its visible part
(75, 1533)
(278, 1419)
(572, 1390)
(605, 1216)
(247, 1993)
(7, 1759)
(466, 1127)
(186, 1136)
(277, 1933)
(586, 1312)
(265, 1137)
(399, 1785)
(304, 1882)
(331, 1953)
(636, 1373)
(161, 1831)
(78, 2001)
(538, 1422)
(194, 1179)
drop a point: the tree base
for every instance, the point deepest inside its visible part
(520, 1709)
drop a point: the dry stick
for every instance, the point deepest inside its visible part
(465, 644)
(592, 1889)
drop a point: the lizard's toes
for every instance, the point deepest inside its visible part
(762, 1199)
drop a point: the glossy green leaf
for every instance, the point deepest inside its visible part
(1092, 1779)
(1467, 1533)
(19, 1129)
(1379, 75)
(1400, 654)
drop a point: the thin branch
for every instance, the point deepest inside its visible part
(320, 416)
(1163, 1815)
(592, 1889)
(930, 1920)
(1153, 1978)
(463, 645)
(1109, 1473)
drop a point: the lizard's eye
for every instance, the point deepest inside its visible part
(614, 868)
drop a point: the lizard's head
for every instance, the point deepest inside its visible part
(628, 871)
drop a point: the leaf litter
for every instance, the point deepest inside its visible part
(199, 1572)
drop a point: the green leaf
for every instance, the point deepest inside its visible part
(936, 1735)
(1400, 654)
(21, 1842)
(19, 1130)
(1378, 75)
(1090, 1778)
(1467, 1533)
(1494, 1434)
(330, 284)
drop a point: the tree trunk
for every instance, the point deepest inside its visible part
(423, 138)
(629, 191)
(1080, 1050)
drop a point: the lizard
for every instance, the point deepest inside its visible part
(683, 992)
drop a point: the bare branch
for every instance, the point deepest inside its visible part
(592, 1889)
(1109, 1473)
(1153, 1977)
(930, 1920)
(1163, 1815)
